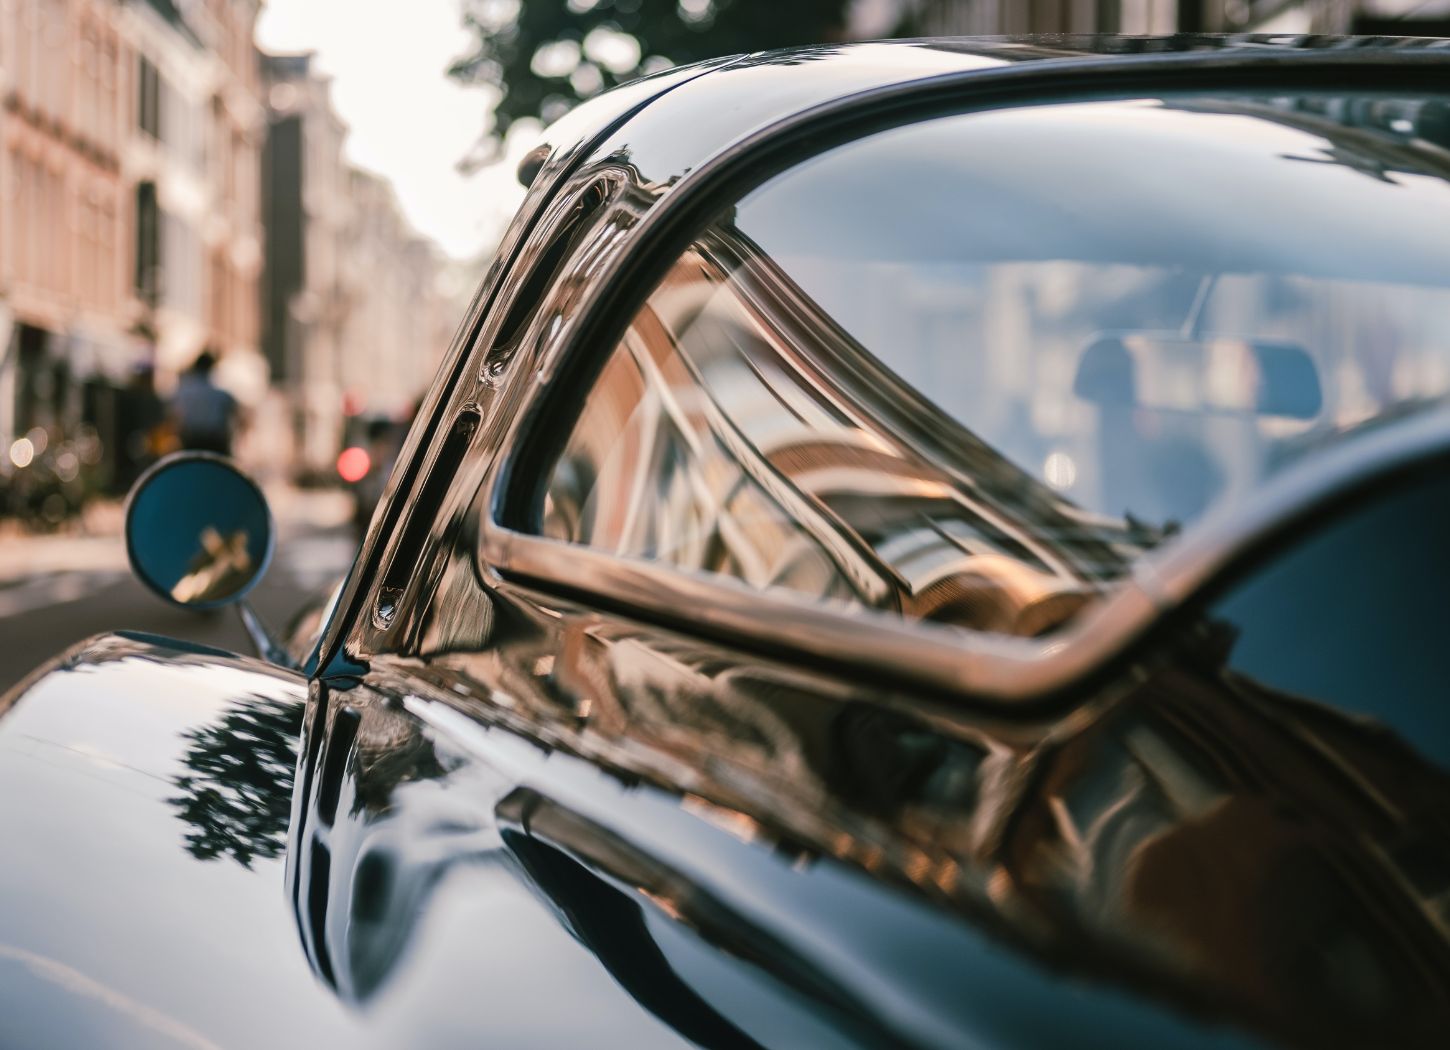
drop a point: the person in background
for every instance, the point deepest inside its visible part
(205, 414)
(141, 426)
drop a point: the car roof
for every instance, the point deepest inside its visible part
(657, 120)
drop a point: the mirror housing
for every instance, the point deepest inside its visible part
(199, 532)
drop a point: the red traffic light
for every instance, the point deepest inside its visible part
(353, 464)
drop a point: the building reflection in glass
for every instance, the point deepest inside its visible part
(740, 458)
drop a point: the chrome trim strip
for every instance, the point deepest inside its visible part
(518, 251)
(1178, 571)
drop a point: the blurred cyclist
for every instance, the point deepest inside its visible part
(205, 414)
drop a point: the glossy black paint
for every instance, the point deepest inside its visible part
(702, 920)
(146, 789)
(524, 820)
(1183, 835)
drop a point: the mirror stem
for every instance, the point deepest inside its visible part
(262, 640)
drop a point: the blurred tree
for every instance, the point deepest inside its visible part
(544, 56)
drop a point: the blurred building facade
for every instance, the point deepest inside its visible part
(192, 160)
(391, 279)
(65, 111)
(964, 17)
(130, 233)
(305, 188)
(352, 298)
(135, 140)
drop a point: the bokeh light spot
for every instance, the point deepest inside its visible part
(353, 464)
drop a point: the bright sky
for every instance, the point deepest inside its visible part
(407, 121)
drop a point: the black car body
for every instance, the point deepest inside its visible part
(871, 735)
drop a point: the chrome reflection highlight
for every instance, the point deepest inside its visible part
(715, 441)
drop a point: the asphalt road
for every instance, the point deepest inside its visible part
(57, 590)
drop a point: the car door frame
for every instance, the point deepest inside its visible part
(566, 348)
(546, 171)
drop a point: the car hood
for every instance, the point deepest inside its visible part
(148, 786)
(147, 790)
(144, 897)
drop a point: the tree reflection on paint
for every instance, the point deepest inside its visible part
(238, 796)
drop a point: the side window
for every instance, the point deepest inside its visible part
(971, 369)
(1266, 812)
(1352, 621)
(735, 431)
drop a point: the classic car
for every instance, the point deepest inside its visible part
(918, 544)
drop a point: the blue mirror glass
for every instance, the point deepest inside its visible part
(198, 531)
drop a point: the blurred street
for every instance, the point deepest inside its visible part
(59, 588)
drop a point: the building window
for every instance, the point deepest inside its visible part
(148, 243)
(148, 113)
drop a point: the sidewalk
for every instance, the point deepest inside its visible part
(95, 543)
(92, 544)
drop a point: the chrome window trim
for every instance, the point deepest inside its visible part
(475, 391)
(994, 669)
(524, 239)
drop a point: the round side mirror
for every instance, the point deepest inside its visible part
(198, 531)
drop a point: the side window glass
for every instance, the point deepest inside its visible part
(715, 441)
(971, 369)
(1265, 811)
(1350, 623)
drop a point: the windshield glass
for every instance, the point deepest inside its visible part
(972, 368)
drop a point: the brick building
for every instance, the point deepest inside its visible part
(130, 233)
(193, 161)
(66, 79)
